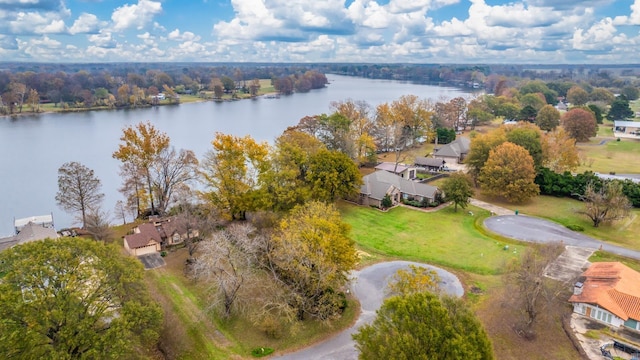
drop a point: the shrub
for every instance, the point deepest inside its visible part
(261, 351)
(163, 253)
(575, 227)
(271, 326)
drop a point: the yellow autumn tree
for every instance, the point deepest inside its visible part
(509, 172)
(561, 153)
(232, 171)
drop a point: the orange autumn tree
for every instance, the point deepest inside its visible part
(509, 173)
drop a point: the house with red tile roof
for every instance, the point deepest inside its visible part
(609, 293)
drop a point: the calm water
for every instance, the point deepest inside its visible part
(34, 147)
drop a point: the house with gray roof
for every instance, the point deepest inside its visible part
(402, 170)
(377, 185)
(455, 151)
(430, 164)
(27, 233)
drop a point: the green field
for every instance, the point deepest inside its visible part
(442, 237)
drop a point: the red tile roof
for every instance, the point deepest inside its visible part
(612, 286)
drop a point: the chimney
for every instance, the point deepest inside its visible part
(577, 288)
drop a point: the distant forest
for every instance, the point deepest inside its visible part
(133, 84)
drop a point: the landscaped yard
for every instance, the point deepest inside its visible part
(442, 237)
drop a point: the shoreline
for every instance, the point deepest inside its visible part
(102, 108)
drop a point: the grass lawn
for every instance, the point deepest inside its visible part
(442, 237)
(620, 157)
(563, 211)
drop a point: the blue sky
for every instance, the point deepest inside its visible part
(377, 31)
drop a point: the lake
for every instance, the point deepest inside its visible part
(34, 147)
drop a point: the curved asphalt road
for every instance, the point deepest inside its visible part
(368, 285)
(526, 228)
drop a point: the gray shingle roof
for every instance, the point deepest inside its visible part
(379, 183)
(427, 161)
(456, 148)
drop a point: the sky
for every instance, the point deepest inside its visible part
(373, 31)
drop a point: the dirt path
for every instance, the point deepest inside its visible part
(495, 209)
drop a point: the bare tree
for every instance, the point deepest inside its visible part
(98, 224)
(532, 292)
(173, 168)
(606, 204)
(222, 263)
(78, 189)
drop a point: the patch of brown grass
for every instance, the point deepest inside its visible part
(499, 320)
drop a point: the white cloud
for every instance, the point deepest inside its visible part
(86, 24)
(137, 15)
(186, 36)
(103, 39)
(600, 36)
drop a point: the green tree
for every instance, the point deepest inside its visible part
(597, 112)
(74, 299)
(232, 172)
(458, 188)
(509, 172)
(140, 147)
(481, 145)
(577, 95)
(601, 95)
(312, 254)
(620, 109)
(630, 92)
(580, 124)
(418, 279)
(285, 182)
(529, 137)
(528, 113)
(422, 326)
(535, 100)
(548, 118)
(78, 190)
(606, 204)
(332, 175)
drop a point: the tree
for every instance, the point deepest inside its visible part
(580, 124)
(173, 168)
(481, 145)
(630, 92)
(223, 263)
(561, 153)
(548, 118)
(529, 137)
(78, 189)
(531, 292)
(606, 204)
(417, 279)
(141, 146)
(232, 172)
(285, 182)
(597, 112)
(254, 87)
(74, 299)
(620, 109)
(528, 113)
(34, 100)
(311, 255)
(98, 224)
(332, 175)
(509, 172)
(422, 326)
(535, 100)
(577, 95)
(458, 188)
(19, 91)
(601, 95)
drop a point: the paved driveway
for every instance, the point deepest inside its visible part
(526, 228)
(369, 286)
